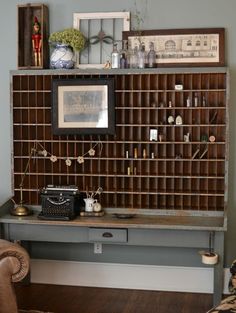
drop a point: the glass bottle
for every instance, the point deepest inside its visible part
(128, 55)
(151, 57)
(123, 55)
(123, 61)
(133, 57)
(141, 56)
(195, 100)
(188, 102)
(115, 57)
(203, 101)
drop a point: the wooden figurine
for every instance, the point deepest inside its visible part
(37, 42)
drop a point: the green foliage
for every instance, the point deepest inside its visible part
(139, 15)
(71, 36)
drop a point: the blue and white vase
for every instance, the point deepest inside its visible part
(62, 57)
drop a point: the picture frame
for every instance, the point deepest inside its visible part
(182, 47)
(83, 106)
(92, 25)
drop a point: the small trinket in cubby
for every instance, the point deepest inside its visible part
(170, 119)
(153, 134)
(178, 87)
(204, 138)
(188, 102)
(179, 120)
(212, 138)
(178, 156)
(187, 137)
(195, 100)
(203, 101)
(128, 170)
(161, 137)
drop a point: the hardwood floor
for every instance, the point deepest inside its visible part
(69, 299)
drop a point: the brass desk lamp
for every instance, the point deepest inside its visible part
(20, 209)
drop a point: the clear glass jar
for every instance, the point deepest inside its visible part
(141, 56)
(151, 56)
(133, 57)
(124, 55)
(115, 57)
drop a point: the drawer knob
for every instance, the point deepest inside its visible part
(107, 235)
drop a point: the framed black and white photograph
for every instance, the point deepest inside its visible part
(182, 47)
(83, 106)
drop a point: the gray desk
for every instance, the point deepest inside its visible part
(143, 230)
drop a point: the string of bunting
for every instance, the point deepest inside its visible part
(68, 160)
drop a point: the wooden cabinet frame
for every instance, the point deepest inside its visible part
(171, 174)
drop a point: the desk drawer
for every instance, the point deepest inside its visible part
(108, 235)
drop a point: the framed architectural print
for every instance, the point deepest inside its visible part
(83, 106)
(182, 47)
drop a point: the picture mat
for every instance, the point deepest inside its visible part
(80, 108)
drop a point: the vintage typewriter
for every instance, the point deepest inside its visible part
(59, 202)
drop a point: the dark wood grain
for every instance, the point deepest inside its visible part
(69, 299)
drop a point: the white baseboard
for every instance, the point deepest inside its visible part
(128, 276)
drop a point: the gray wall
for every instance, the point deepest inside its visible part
(157, 14)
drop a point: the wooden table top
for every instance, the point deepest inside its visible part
(151, 220)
